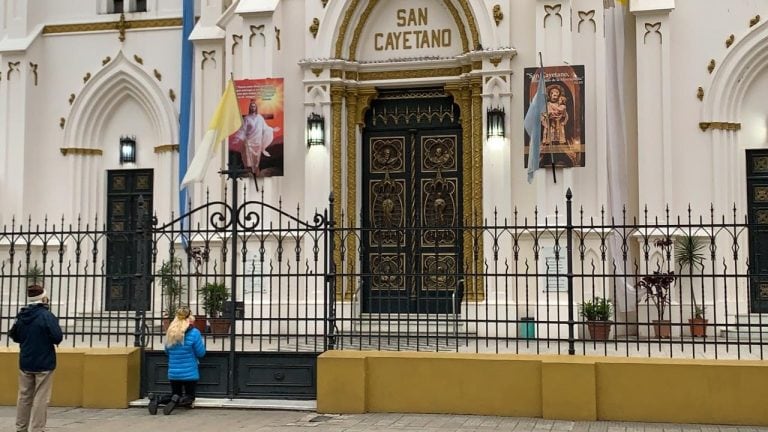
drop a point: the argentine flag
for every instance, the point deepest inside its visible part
(532, 124)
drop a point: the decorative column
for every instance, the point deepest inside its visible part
(654, 109)
(258, 54)
(554, 42)
(15, 90)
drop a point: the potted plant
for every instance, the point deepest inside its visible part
(214, 295)
(597, 313)
(689, 253)
(171, 289)
(698, 323)
(657, 289)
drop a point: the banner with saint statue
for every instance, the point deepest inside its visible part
(562, 123)
(258, 145)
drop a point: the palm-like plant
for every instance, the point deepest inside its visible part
(689, 253)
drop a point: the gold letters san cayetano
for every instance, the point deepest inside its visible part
(412, 39)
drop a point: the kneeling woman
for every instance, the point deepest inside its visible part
(184, 346)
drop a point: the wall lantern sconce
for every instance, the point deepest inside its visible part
(127, 149)
(495, 123)
(315, 130)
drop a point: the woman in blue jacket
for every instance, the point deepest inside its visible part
(184, 346)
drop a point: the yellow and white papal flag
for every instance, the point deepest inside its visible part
(226, 121)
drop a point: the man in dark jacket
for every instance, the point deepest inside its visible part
(37, 331)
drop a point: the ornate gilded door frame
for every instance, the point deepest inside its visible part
(356, 98)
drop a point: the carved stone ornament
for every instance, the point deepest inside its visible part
(86, 77)
(33, 68)
(12, 66)
(495, 61)
(62, 122)
(711, 66)
(700, 93)
(314, 27)
(172, 95)
(208, 55)
(121, 26)
(71, 98)
(236, 39)
(158, 75)
(498, 15)
(317, 71)
(324, 2)
(753, 22)
(587, 16)
(138, 59)
(729, 41)
(106, 60)
(277, 37)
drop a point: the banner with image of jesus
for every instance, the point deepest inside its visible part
(562, 125)
(258, 145)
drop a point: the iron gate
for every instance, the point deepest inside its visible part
(273, 266)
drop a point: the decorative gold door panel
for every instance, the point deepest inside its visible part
(412, 203)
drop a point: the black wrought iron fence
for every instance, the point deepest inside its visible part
(568, 283)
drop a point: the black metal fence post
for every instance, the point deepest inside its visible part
(140, 281)
(330, 278)
(569, 275)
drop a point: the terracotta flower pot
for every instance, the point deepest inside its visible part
(200, 323)
(662, 328)
(599, 330)
(698, 327)
(219, 325)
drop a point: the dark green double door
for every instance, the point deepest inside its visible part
(757, 197)
(127, 190)
(411, 203)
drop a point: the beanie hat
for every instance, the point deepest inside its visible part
(35, 293)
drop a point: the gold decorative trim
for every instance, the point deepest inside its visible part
(106, 60)
(753, 22)
(359, 28)
(112, 25)
(728, 126)
(81, 151)
(457, 19)
(62, 122)
(138, 59)
(337, 96)
(344, 25)
(335, 73)
(158, 75)
(86, 77)
(729, 41)
(711, 65)
(71, 98)
(350, 97)
(167, 148)
(122, 25)
(700, 93)
(317, 71)
(476, 291)
(495, 61)
(409, 74)
(314, 27)
(498, 15)
(172, 95)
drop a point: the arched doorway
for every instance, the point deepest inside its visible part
(411, 202)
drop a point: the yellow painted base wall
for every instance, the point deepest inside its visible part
(552, 387)
(91, 378)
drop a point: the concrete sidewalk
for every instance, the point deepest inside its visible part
(225, 420)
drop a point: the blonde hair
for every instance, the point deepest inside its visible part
(179, 326)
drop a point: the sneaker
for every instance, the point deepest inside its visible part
(171, 405)
(153, 402)
(186, 401)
